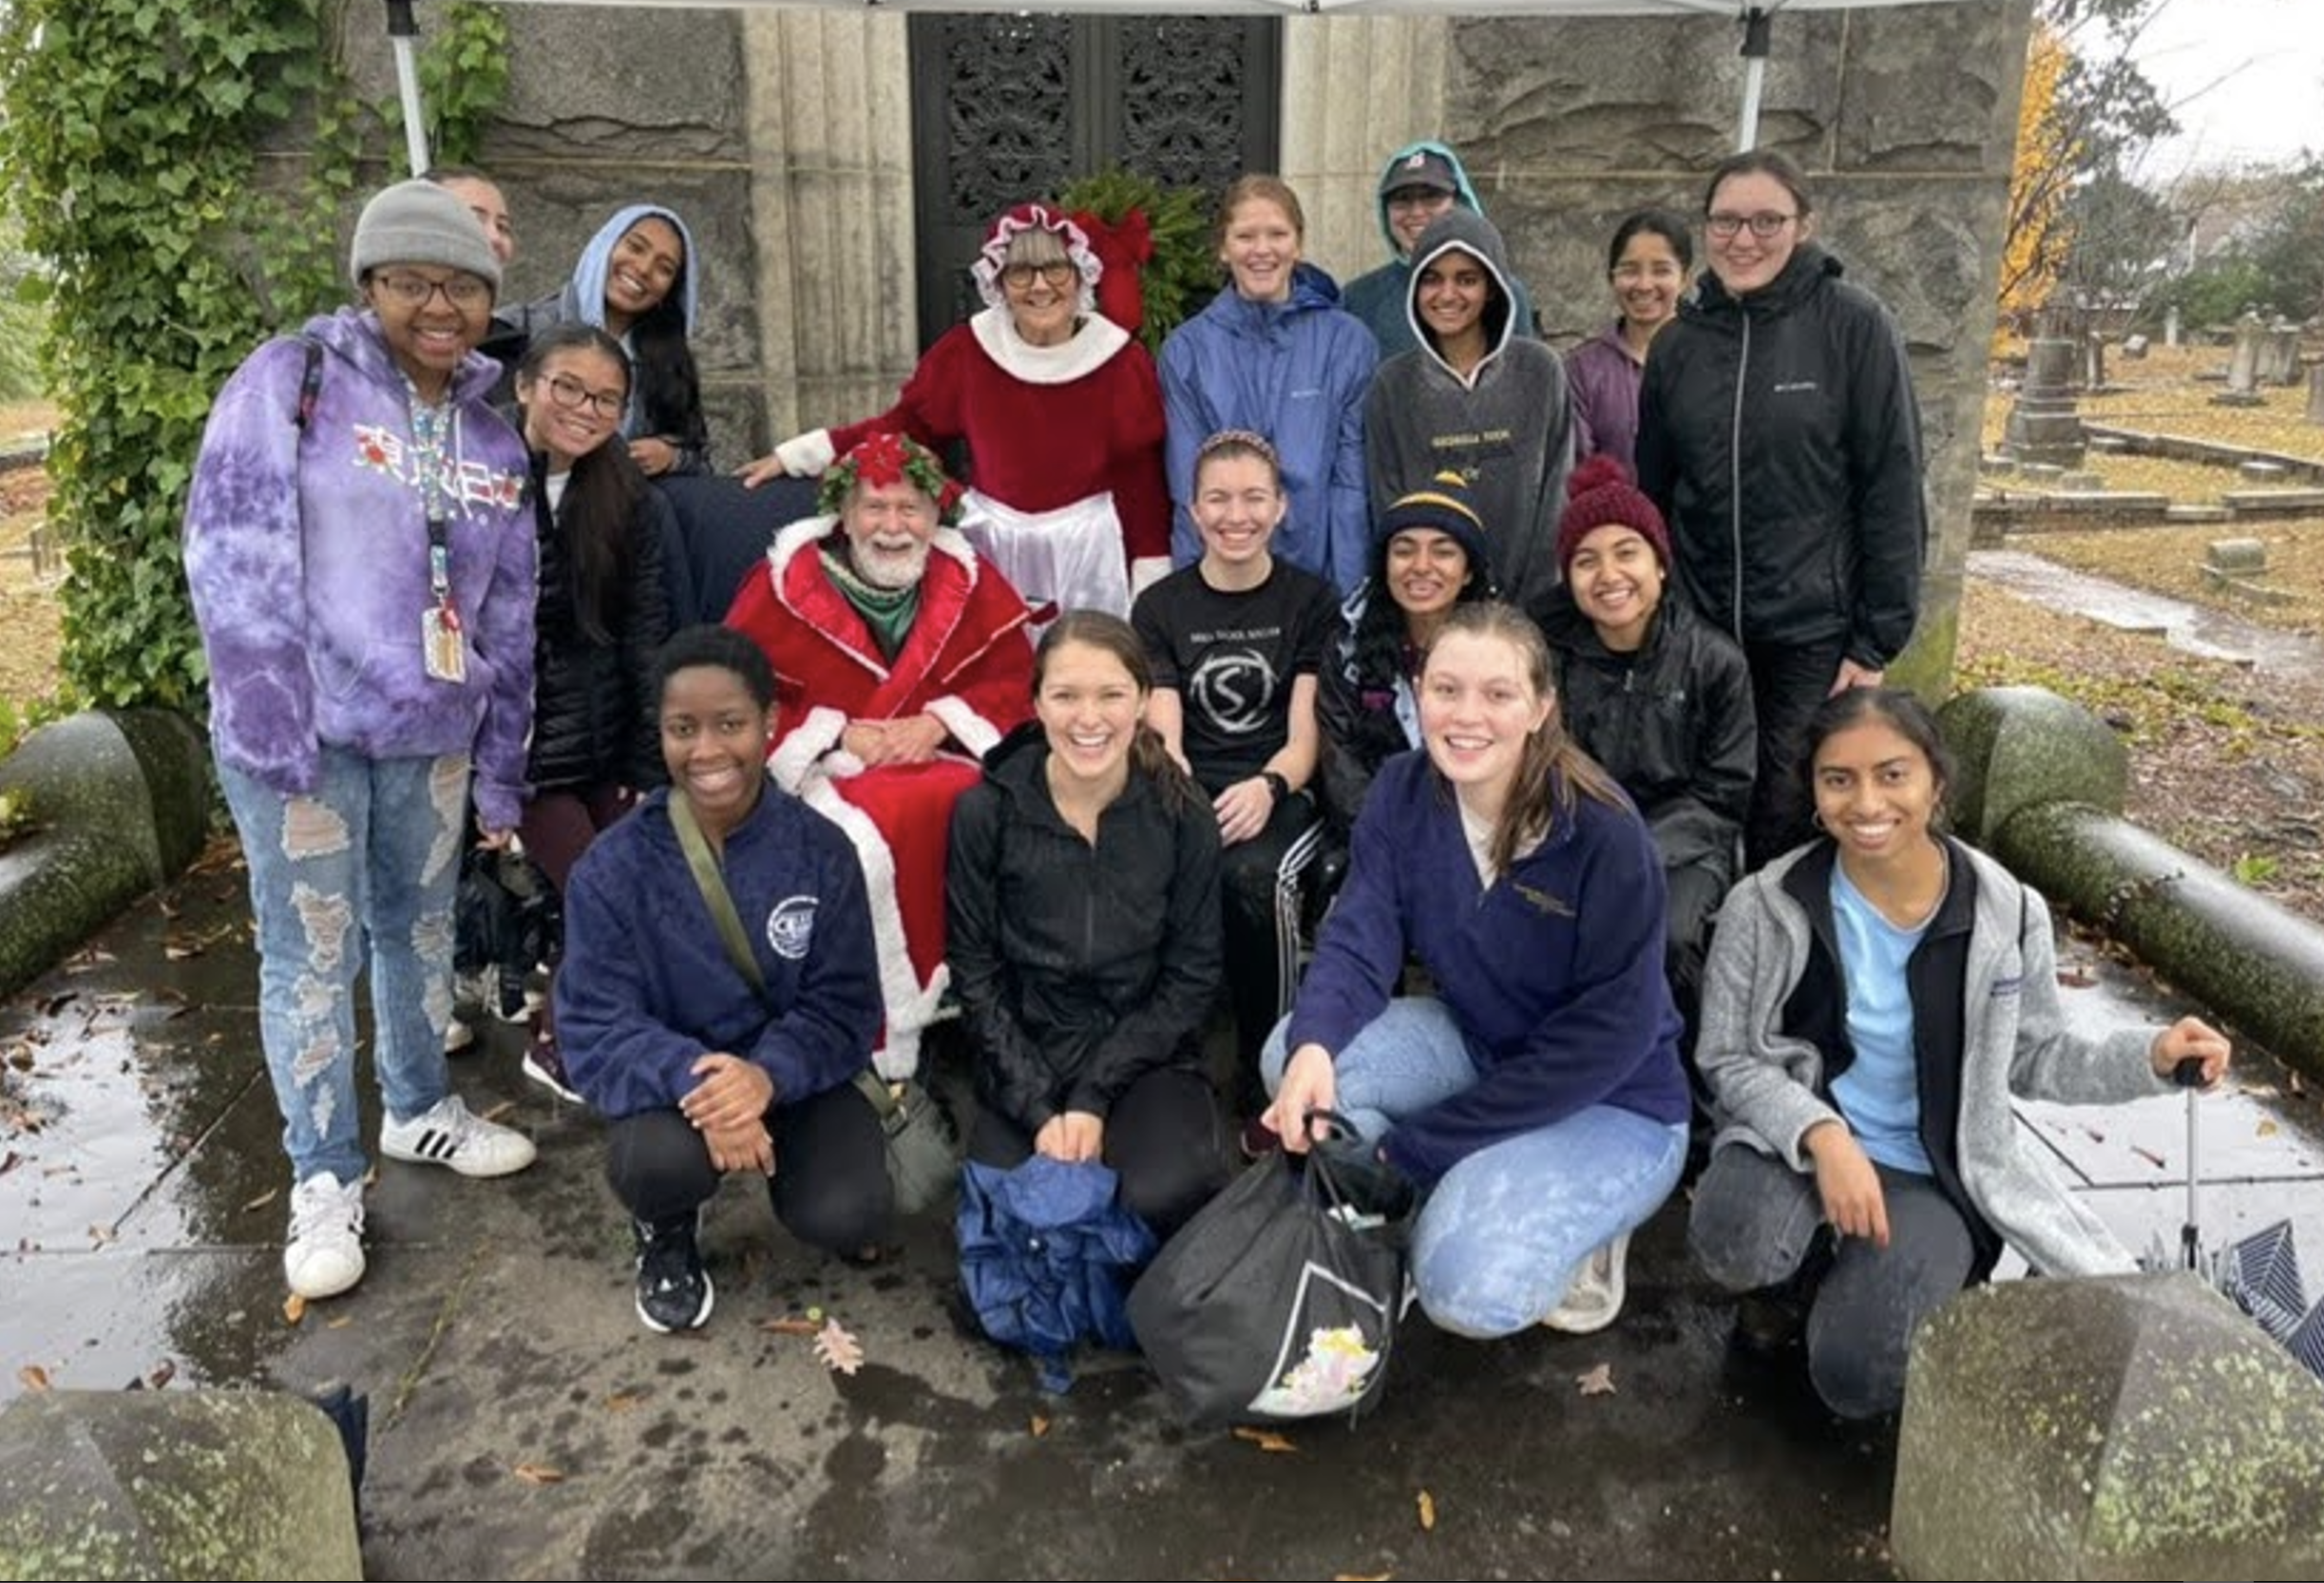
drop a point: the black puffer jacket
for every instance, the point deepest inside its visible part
(594, 708)
(1780, 436)
(1672, 722)
(1079, 967)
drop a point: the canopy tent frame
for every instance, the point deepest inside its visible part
(1755, 17)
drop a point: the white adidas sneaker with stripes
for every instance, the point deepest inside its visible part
(450, 1135)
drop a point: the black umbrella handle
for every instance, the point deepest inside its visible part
(2188, 1074)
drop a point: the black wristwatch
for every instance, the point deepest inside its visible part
(1276, 785)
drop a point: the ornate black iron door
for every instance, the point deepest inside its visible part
(1011, 108)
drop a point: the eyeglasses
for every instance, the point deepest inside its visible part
(569, 392)
(1059, 272)
(1763, 226)
(462, 291)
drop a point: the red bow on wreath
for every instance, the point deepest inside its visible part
(1123, 247)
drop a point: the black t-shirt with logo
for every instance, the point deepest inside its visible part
(1232, 656)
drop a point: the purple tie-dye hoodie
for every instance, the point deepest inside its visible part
(307, 556)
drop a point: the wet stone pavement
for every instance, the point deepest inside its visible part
(523, 1423)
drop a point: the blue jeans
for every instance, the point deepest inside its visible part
(364, 866)
(1502, 1235)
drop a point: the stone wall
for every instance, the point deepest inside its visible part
(784, 139)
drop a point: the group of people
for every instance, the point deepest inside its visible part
(1604, 755)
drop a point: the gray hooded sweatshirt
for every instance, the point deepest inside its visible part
(1507, 427)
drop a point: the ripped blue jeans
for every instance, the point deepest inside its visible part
(365, 867)
(1501, 1236)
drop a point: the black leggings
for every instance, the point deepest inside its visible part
(829, 1186)
(1259, 894)
(1162, 1138)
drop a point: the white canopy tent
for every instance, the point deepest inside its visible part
(1753, 16)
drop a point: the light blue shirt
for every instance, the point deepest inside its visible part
(1880, 1095)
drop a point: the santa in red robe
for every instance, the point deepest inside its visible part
(864, 653)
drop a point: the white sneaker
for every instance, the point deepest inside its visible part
(458, 1036)
(324, 1255)
(450, 1135)
(1595, 1297)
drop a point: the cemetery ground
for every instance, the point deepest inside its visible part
(2226, 761)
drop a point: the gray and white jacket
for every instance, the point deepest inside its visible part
(1771, 1086)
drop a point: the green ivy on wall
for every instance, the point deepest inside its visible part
(130, 151)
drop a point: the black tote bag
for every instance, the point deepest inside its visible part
(1280, 1299)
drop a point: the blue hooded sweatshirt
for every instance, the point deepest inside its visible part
(1554, 972)
(1295, 372)
(1378, 297)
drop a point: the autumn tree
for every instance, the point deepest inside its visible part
(2045, 148)
(2087, 111)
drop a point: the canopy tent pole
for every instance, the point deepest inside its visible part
(401, 32)
(1757, 26)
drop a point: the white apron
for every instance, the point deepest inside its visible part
(1069, 559)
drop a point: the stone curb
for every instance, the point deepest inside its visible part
(120, 805)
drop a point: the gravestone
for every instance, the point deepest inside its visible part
(2280, 355)
(2243, 367)
(2315, 394)
(2093, 363)
(2170, 326)
(2044, 427)
(2134, 347)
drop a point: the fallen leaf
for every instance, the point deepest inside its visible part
(838, 1348)
(1428, 1512)
(1361, 1577)
(622, 1401)
(1040, 1426)
(2267, 1129)
(163, 1373)
(501, 1112)
(32, 1377)
(2150, 1157)
(2076, 978)
(294, 1308)
(9, 1162)
(2257, 1091)
(1597, 1381)
(339, 1324)
(535, 1472)
(790, 1326)
(1265, 1439)
(101, 1234)
(173, 951)
(262, 1200)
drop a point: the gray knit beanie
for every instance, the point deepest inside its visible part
(418, 223)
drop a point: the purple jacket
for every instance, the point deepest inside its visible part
(1606, 379)
(306, 552)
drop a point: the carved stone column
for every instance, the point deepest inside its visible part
(831, 147)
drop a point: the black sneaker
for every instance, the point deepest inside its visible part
(673, 1291)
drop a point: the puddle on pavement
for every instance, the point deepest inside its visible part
(2209, 634)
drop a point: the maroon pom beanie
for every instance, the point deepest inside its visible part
(1603, 496)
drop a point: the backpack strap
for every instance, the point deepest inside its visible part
(310, 382)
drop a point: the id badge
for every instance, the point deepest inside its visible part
(445, 656)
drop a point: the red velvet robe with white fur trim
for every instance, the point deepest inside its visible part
(966, 660)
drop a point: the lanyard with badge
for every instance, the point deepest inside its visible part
(442, 647)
